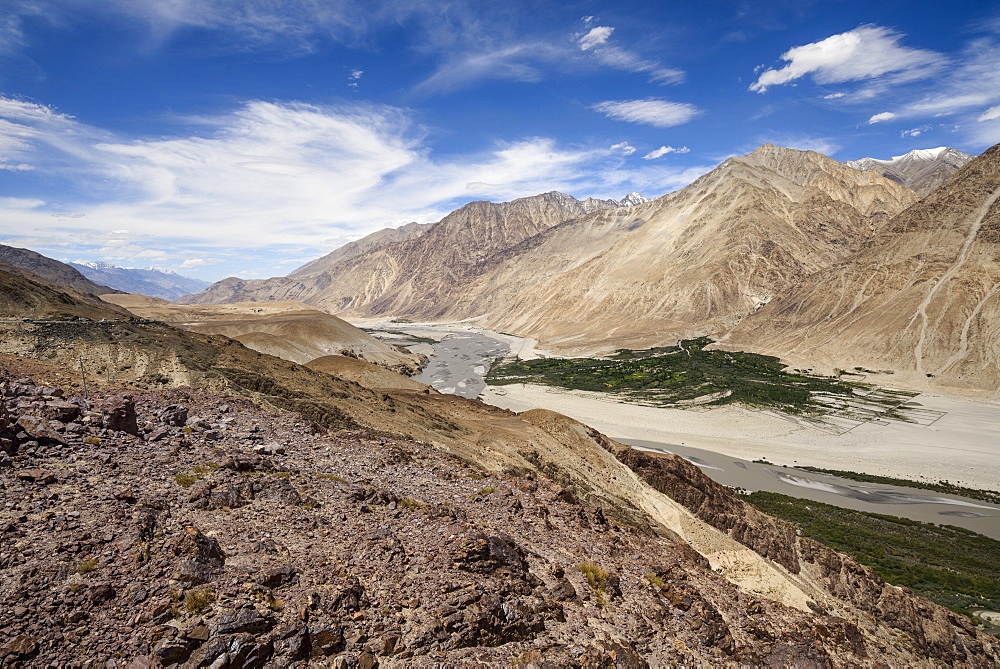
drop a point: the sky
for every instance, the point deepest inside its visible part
(244, 138)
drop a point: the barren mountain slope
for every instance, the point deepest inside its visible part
(289, 330)
(921, 299)
(24, 295)
(425, 272)
(367, 243)
(819, 606)
(921, 170)
(51, 270)
(694, 262)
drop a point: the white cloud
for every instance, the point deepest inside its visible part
(834, 96)
(989, 114)
(354, 77)
(881, 117)
(915, 132)
(867, 52)
(595, 37)
(664, 150)
(518, 62)
(625, 148)
(651, 111)
(199, 262)
(280, 177)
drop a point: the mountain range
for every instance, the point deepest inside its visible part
(922, 170)
(921, 298)
(150, 281)
(590, 276)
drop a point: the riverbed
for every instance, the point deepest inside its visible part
(962, 446)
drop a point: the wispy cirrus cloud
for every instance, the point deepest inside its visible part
(868, 52)
(597, 41)
(281, 176)
(650, 111)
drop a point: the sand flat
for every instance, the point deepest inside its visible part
(962, 446)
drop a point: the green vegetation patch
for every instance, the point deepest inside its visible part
(990, 496)
(681, 374)
(949, 565)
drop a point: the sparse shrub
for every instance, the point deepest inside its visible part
(87, 566)
(332, 477)
(656, 581)
(597, 578)
(185, 480)
(410, 504)
(487, 491)
(196, 601)
(92, 441)
(475, 476)
(198, 472)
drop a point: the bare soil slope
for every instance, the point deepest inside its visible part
(289, 330)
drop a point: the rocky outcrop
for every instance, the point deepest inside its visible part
(716, 505)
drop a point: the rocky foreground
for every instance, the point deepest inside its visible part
(181, 527)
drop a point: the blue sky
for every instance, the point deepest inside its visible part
(219, 138)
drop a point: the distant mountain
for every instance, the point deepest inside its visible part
(632, 199)
(430, 268)
(151, 281)
(696, 261)
(921, 170)
(922, 298)
(593, 275)
(58, 274)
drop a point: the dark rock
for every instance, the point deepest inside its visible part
(101, 592)
(40, 429)
(175, 650)
(118, 414)
(60, 410)
(275, 578)
(174, 415)
(19, 648)
(245, 621)
(326, 641)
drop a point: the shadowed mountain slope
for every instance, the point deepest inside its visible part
(50, 270)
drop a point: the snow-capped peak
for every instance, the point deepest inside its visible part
(924, 154)
(632, 199)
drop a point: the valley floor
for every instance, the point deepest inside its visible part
(961, 446)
